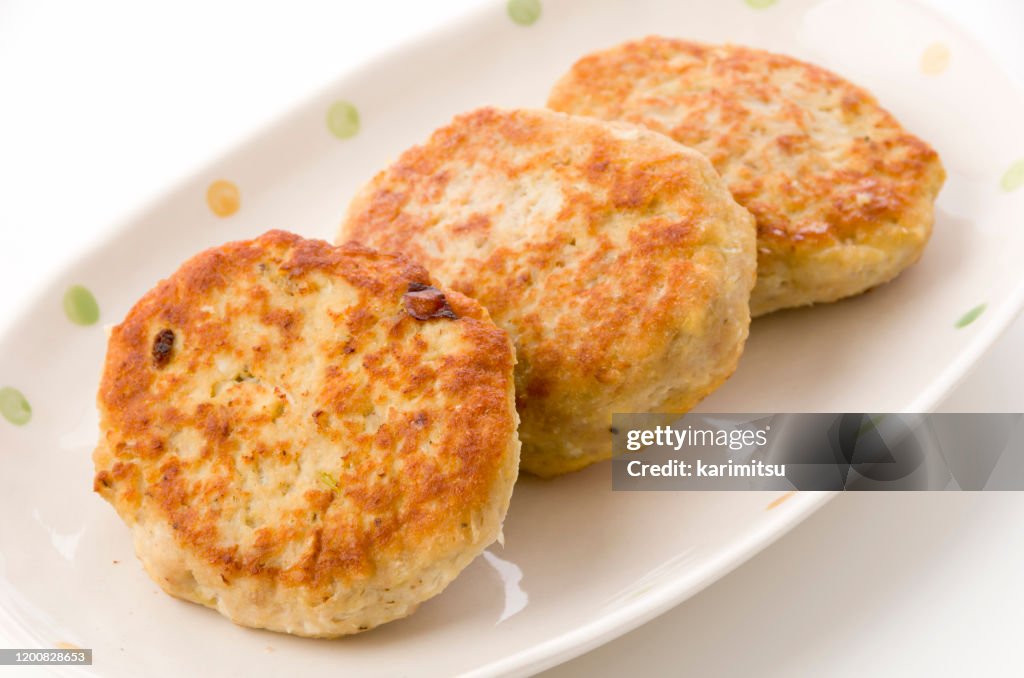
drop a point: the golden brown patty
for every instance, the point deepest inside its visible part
(841, 192)
(309, 439)
(615, 258)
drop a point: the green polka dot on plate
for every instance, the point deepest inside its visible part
(343, 119)
(972, 315)
(14, 407)
(80, 306)
(760, 4)
(523, 12)
(1014, 177)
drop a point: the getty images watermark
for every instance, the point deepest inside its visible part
(818, 452)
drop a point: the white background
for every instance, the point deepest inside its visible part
(104, 104)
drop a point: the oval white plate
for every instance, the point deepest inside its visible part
(582, 564)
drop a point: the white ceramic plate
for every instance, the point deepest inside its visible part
(582, 564)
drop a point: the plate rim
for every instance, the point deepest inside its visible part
(661, 599)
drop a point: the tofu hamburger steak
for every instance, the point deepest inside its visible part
(308, 439)
(615, 258)
(842, 193)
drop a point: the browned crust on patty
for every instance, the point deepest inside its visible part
(614, 257)
(408, 423)
(815, 158)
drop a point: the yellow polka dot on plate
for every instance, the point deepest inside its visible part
(935, 59)
(223, 198)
